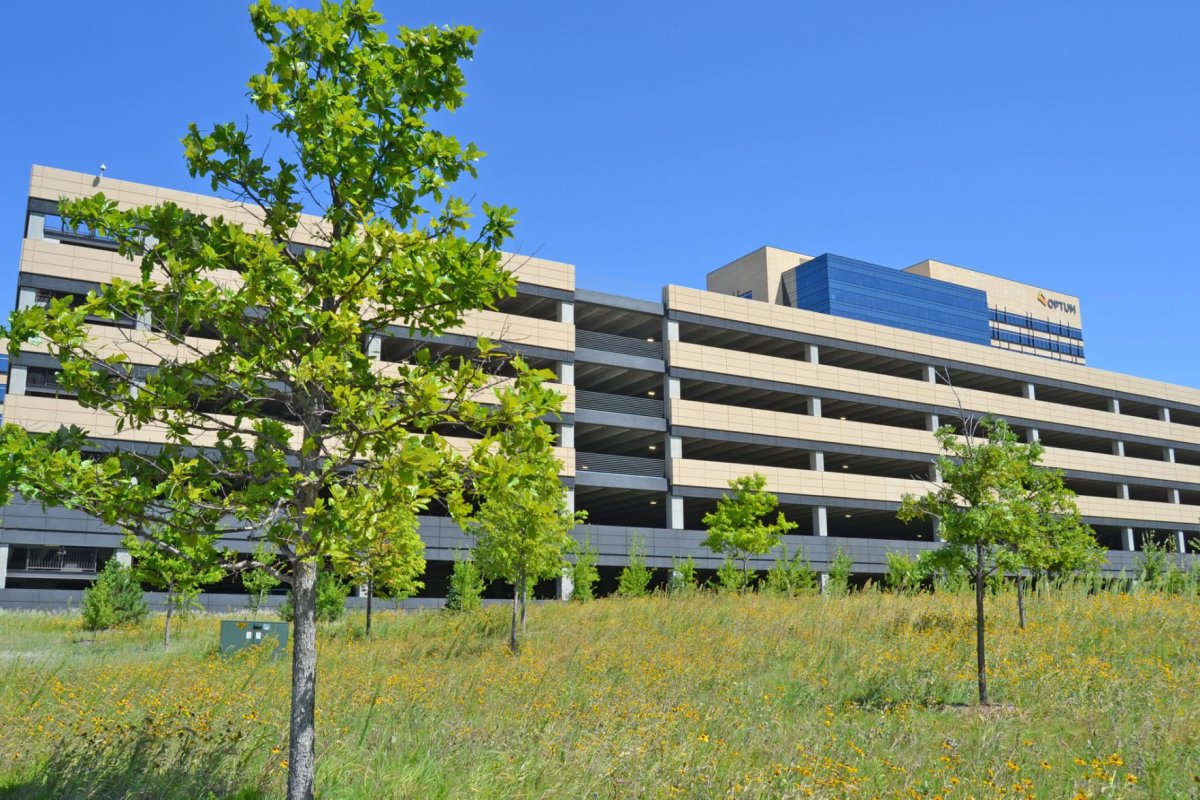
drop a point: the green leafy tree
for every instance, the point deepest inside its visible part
(634, 580)
(584, 575)
(115, 598)
(181, 571)
(737, 530)
(388, 555)
(253, 361)
(993, 501)
(790, 577)
(519, 515)
(258, 582)
(838, 581)
(466, 586)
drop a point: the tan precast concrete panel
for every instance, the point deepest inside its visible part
(760, 272)
(921, 347)
(803, 373)
(1012, 296)
(48, 183)
(836, 486)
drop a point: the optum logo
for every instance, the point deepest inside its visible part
(1057, 305)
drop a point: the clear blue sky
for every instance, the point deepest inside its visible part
(647, 143)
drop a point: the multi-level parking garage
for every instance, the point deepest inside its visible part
(782, 367)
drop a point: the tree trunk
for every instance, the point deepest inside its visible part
(980, 653)
(524, 603)
(745, 574)
(302, 746)
(1021, 600)
(170, 607)
(512, 631)
(370, 591)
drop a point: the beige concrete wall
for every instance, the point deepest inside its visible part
(518, 330)
(1012, 296)
(760, 272)
(802, 373)
(843, 486)
(48, 183)
(923, 348)
(718, 417)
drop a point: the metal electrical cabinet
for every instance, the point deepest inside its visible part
(239, 634)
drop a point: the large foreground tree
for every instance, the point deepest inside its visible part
(994, 504)
(252, 364)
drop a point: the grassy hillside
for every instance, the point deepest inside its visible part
(866, 696)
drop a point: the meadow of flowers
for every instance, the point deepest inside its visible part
(704, 696)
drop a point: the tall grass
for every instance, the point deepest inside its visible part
(701, 696)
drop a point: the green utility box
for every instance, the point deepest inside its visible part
(239, 634)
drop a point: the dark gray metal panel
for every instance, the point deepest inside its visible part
(612, 419)
(613, 480)
(610, 359)
(618, 301)
(544, 291)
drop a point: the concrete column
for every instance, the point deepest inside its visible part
(1180, 545)
(1173, 496)
(675, 513)
(35, 228)
(4, 564)
(363, 589)
(571, 500)
(820, 521)
(16, 380)
(932, 422)
(1031, 434)
(1169, 455)
(930, 373)
(566, 435)
(26, 298)
(816, 461)
(1122, 491)
(1127, 539)
(142, 323)
(673, 389)
(674, 447)
(1164, 414)
(814, 406)
(823, 577)
(1114, 405)
(812, 354)
(1029, 391)
(671, 330)
(565, 584)
(123, 557)
(566, 373)
(1118, 448)
(566, 312)
(935, 474)
(937, 531)
(374, 346)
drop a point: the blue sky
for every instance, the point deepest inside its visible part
(647, 143)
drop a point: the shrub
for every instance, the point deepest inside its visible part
(730, 579)
(903, 574)
(584, 575)
(683, 577)
(466, 587)
(839, 573)
(114, 599)
(331, 600)
(790, 577)
(634, 580)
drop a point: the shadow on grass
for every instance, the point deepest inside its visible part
(139, 768)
